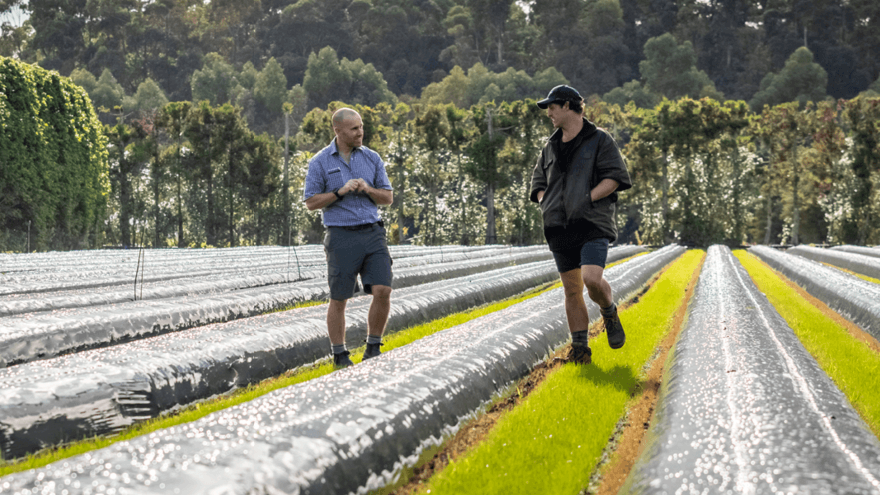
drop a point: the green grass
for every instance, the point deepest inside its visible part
(853, 366)
(199, 410)
(553, 441)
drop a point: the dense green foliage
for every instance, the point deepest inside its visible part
(53, 161)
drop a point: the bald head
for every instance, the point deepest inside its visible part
(349, 129)
(344, 114)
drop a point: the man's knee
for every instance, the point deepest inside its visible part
(381, 291)
(593, 277)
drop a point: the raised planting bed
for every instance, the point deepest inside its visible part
(102, 391)
(854, 262)
(866, 251)
(346, 432)
(857, 300)
(744, 408)
(28, 337)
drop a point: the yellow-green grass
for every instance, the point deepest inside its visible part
(306, 373)
(851, 363)
(552, 442)
(863, 277)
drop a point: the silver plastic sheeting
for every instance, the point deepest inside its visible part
(91, 289)
(859, 263)
(745, 409)
(104, 390)
(28, 337)
(347, 432)
(867, 251)
(855, 299)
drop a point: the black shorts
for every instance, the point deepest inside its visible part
(356, 252)
(572, 248)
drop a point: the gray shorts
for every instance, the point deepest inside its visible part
(351, 253)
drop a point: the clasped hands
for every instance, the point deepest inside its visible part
(356, 185)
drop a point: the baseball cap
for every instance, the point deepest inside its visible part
(561, 93)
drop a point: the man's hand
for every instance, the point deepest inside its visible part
(352, 185)
(540, 196)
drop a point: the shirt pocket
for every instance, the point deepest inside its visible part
(334, 179)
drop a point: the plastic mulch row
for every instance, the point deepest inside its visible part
(348, 431)
(745, 408)
(855, 262)
(855, 299)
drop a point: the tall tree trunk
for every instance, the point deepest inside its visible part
(179, 209)
(490, 189)
(399, 196)
(231, 205)
(124, 209)
(286, 181)
(210, 231)
(664, 199)
(769, 219)
(737, 198)
(155, 213)
(796, 203)
(490, 213)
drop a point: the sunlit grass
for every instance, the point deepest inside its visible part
(853, 366)
(552, 442)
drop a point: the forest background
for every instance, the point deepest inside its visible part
(741, 120)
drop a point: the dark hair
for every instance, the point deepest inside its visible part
(576, 106)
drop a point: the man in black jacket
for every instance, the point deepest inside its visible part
(576, 181)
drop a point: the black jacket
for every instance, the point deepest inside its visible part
(567, 192)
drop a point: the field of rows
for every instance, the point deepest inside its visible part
(765, 363)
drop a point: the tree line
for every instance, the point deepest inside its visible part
(704, 171)
(190, 50)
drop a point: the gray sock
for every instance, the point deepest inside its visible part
(581, 337)
(373, 339)
(609, 311)
(337, 348)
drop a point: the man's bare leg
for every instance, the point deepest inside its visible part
(575, 306)
(379, 309)
(598, 288)
(336, 321)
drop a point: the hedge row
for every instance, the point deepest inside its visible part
(53, 160)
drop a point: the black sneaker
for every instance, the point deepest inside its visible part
(342, 360)
(372, 351)
(578, 353)
(614, 330)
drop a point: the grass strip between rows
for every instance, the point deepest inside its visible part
(306, 373)
(553, 441)
(863, 277)
(851, 363)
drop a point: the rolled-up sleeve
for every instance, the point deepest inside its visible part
(611, 165)
(315, 182)
(381, 180)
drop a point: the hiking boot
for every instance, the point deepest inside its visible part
(614, 330)
(578, 353)
(342, 360)
(372, 351)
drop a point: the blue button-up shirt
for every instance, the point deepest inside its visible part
(328, 171)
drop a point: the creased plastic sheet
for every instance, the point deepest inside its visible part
(178, 279)
(745, 409)
(27, 337)
(103, 390)
(855, 262)
(867, 251)
(855, 299)
(347, 432)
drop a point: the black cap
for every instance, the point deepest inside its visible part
(560, 94)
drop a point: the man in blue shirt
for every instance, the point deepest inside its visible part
(347, 181)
